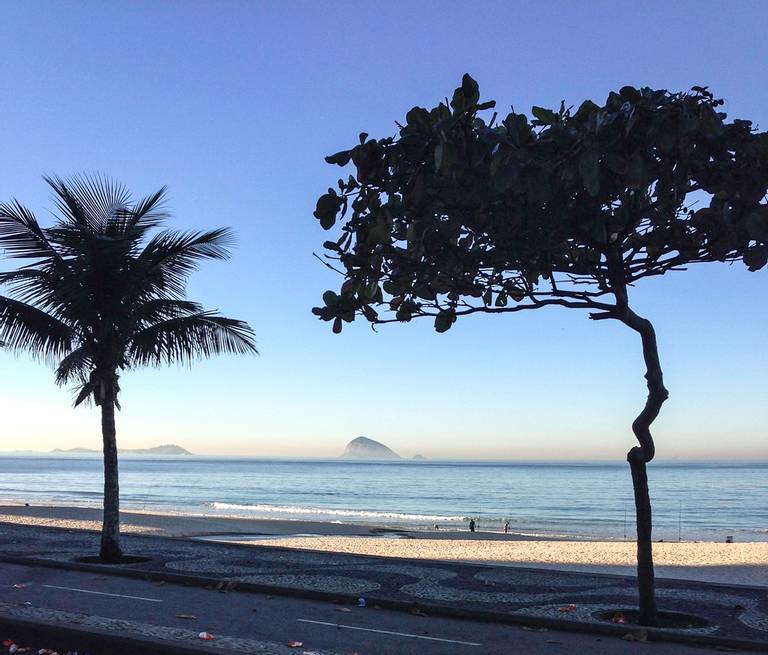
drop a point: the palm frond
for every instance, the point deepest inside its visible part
(21, 235)
(84, 392)
(75, 365)
(24, 327)
(170, 257)
(98, 289)
(188, 248)
(90, 202)
(149, 211)
(161, 309)
(31, 285)
(20, 278)
(187, 338)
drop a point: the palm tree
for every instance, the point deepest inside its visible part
(100, 295)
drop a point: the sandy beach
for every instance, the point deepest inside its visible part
(737, 563)
(171, 525)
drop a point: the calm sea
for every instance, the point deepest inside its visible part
(691, 500)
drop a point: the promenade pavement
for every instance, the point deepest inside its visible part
(173, 616)
(525, 597)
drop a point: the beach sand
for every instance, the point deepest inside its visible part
(170, 525)
(737, 563)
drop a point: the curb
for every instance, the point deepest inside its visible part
(489, 616)
(45, 634)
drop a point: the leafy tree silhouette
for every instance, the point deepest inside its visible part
(99, 296)
(459, 215)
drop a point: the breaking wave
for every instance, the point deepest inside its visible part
(328, 514)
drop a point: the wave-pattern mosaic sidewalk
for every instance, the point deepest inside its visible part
(731, 612)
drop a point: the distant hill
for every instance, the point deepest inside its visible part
(74, 450)
(166, 449)
(365, 448)
(419, 457)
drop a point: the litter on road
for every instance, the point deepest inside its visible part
(14, 648)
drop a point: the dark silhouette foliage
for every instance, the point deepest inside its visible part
(103, 291)
(461, 214)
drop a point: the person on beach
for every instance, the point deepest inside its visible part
(471, 525)
(506, 527)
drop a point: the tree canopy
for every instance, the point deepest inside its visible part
(461, 214)
(104, 290)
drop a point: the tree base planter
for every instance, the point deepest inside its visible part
(125, 559)
(667, 620)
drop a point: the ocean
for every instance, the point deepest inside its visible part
(691, 500)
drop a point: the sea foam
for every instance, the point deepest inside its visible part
(321, 513)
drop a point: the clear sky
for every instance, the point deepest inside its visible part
(234, 104)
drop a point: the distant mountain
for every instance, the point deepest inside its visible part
(166, 449)
(365, 448)
(74, 450)
(419, 457)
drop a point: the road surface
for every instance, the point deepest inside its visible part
(320, 626)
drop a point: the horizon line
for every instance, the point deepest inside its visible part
(424, 459)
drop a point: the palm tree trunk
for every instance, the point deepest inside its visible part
(638, 457)
(110, 531)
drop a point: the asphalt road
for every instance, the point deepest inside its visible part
(319, 625)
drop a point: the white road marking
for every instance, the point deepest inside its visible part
(389, 632)
(101, 593)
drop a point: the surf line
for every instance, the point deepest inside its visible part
(389, 632)
(101, 593)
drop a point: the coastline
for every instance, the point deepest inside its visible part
(744, 563)
(134, 521)
(188, 524)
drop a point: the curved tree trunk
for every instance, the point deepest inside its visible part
(110, 532)
(638, 457)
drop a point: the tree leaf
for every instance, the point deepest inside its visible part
(589, 170)
(756, 257)
(470, 89)
(585, 110)
(444, 320)
(418, 119)
(544, 116)
(341, 158)
(326, 209)
(330, 298)
(637, 172)
(438, 155)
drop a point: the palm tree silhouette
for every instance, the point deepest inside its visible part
(100, 295)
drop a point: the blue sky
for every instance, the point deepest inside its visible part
(234, 104)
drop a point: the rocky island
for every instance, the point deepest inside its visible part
(365, 448)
